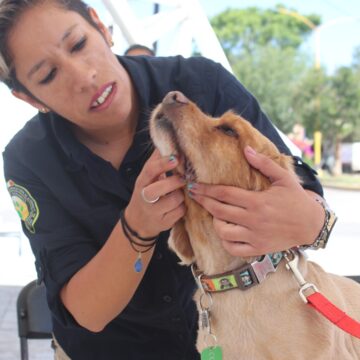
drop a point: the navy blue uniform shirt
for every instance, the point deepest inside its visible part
(69, 200)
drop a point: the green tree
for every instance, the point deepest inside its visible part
(355, 136)
(264, 48)
(271, 75)
(244, 30)
(356, 61)
(312, 98)
(346, 109)
(330, 104)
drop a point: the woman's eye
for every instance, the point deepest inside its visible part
(79, 45)
(227, 130)
(49, 77)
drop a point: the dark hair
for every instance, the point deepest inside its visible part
(10, 12)
(144, 48)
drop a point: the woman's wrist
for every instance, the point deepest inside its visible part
(139, 244)
(326, 222)
(141, 230)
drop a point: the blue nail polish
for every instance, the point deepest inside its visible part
(192, 186)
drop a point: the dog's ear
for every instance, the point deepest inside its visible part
(179, 242)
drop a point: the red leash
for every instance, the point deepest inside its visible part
(319, 301)
(334, 314)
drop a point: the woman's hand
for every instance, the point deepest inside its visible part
(251, 223)
(149, 219)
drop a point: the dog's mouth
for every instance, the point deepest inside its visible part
(185, 168)
(190, 174)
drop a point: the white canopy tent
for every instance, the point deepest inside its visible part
(177, 28)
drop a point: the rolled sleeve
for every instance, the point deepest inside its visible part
(60, 245)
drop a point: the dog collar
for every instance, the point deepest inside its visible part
(243, 278)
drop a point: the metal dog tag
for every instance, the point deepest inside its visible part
(263, 267)
(212, 353)
(205, 319)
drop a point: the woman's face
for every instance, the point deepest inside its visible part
(68, 65)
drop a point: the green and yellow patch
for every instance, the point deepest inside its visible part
(25, 205)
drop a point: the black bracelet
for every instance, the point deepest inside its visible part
(138, 265)
(132, 231)
(131, 240)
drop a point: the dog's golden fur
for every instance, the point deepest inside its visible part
(268, 321)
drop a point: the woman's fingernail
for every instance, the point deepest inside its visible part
(250, 150)
(172, 158)
(192, 186)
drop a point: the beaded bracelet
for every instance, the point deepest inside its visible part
(129, 234)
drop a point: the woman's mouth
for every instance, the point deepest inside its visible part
(103, 98)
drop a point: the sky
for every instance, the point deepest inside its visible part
(337, 42)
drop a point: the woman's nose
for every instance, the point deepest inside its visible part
(82, 76)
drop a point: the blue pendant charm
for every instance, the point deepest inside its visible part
(138, 266)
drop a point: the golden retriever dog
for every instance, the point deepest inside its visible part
(268, 320)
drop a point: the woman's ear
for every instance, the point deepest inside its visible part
(100, 25)
(179, 242)
(30, 100)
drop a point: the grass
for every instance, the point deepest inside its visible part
(346, 181)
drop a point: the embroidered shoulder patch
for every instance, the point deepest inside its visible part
(25, 205)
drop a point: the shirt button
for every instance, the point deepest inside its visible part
(129, 171)
(167, 298)
(159, 256)
(175, 319)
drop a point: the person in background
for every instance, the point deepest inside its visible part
(137, 49)
(92, 193)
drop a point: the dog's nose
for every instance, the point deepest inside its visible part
(175, 98)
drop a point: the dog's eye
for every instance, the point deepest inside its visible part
(227, 130)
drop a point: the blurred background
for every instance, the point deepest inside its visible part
(301, 59)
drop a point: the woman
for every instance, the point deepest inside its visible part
(85, 158)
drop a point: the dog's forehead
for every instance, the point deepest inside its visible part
(232, 118)
(238, 123)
